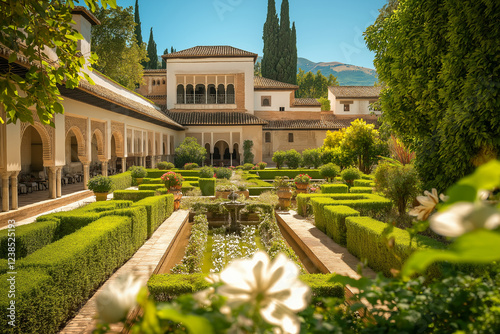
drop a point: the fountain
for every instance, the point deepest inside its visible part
(234, 207)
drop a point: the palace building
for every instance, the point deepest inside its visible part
(206, 92)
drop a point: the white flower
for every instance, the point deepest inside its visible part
(428, 203)
(463, 217)
(272, 287)
(117, 298)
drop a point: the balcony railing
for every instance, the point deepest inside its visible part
(202, 99)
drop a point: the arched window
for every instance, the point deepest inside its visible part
(180, 94)
(158, 82)
(266, 101)
(221, 94)
(230, 94)
(268, 137)
(212, 94)
(154, 82)
(199, 94)
(189, 94)
(163, 81)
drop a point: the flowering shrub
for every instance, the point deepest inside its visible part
(190, 165)
(172, 179)
(223, 173)
(206, 172)
(261, 165)
(281, 182)
(248, 166)
(302, 178)
(164, 165)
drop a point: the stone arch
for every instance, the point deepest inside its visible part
(100, 143)
(119, 147)
(48, 159)
(82, 153)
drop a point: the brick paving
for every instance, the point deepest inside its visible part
(142, 264)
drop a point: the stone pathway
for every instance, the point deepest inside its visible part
(142, 264)
(327, 255)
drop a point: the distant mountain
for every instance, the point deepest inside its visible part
(347, 75)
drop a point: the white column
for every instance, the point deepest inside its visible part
(52, 182)
(124, 165)
(13, 189)
(58, 181)
(86, 174)
(5, 191)
(104, 168)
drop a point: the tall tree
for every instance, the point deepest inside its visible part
(163, 62)
(284, 44)
(315, 86)
(293, 60)
(439, 63)
(172, 50)
(38, 24)
(270, 37)
(120, 56)
(152, 53)
(137, 20)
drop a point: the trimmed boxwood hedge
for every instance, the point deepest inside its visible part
(367, 177)
(121, 181)
(256, 191)
(270, 174)
(334, 188)
(150, 186)
(258, 184)
(361, 190)
(165, 287)
(158, 208)
(364, 183)
(370, 205)
(335, 222)
(364, 240)
(304, 207)
(207, 186)
(156, 173)
(132, 195)
(148, 180)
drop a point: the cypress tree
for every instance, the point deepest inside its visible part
(152, 54)
(163, 62)
(284, 44)
(172, 50)
(293, 63)
(271, 52)
(138, 33)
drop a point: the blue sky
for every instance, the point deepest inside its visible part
(327, 30)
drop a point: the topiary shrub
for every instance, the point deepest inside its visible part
(349, 175)
(293, 159)
(247, 152)
(206, 172)
(329, 171)
(335, 188)
(138, 172)
(189, 151)
(279, 158)
(261, 165)
(164, 165)
(223, 173)
(248, 166)
(191, 166)
(100, 184)
(121, 181)
(132, 195)
(207, 186)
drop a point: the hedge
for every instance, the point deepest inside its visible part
(303, 205)
(367, 177)
(78, 264)
(361, 190)
(335, 222)
(364, 240)
(156, 173)
(270, 174)
(151, 186)
(158, 209)
(370, 205)
(165, 287)
(256, 191)
(207, 186)
(132, 195)
(121, 181)
(148, 180)
(334, 188)
(364, 183)
(258, 184)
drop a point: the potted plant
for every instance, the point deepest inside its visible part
(349, 175)
(101, 186)
(173, 182)
(138, 173)
(302, 182)
(223, 189)
(242, 189)
(284, 191)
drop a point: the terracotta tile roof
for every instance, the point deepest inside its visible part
(355, 91)
(329, 122)
(265, 83)
(158, 70)
(306, 101)
(211, 51)
(214, 118)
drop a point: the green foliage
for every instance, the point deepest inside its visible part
(165, 287)
(120, 55)
(189, 151)
(100, 184)
(315, 86)
(329, 171)
(338, 157)
(121, 181)
(335, 188)
(247, 152)
(158, 208)
(271, 50)
(364, 142)
(40, 26)
(137, 21)
(279, 158)
(138, 172)
(335, 222)
(206, 172)
(256, 191)
(349, 175)
(447, 105)
(132, 195)
(261, 165)
(271, 174)
(303, 200)
(207, 186)
(293, 159)
(367, 239)
(152, 53)
(248, 166)
(399, 183)
(223, 173)
(164, 165)
(312, 157)
(363, 183)
(361, 190)
(321, 285)
(193, 256)
(152, 186)
(157, 174)
(325, 104)
(191, 166)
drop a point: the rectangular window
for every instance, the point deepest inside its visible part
(268, 137)
(290, 137)
(282, 108)
(347, 107)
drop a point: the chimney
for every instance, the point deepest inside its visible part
(84, 20)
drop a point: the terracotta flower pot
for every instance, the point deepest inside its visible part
(284, 193)
(222, 194)
(302, 188)
(101, 196)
